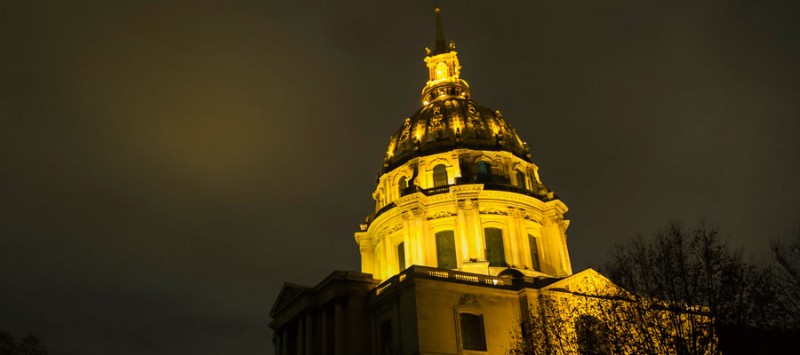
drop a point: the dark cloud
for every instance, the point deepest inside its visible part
(165, 167)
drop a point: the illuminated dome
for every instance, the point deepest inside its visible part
(458, 190)
(451, 123)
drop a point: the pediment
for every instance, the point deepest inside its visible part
(587, 282)
(289, 292)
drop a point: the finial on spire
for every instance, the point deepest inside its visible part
(441, 44)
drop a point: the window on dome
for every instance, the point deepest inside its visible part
(483, 171)
(534, 252)
(401, 256)
(446, 250)
(521, 180)
(440, 175)
(495, 253)
(473, 334)
(402, 185)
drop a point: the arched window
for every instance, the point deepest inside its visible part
(495, 253)
(446, 250)
(440, 175)
(402, 185)
(534, 253)
(483, 171)
(473, 333)
(593, 336)
(521, 180)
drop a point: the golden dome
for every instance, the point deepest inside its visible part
(449, 124)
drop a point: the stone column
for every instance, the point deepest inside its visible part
(367, 249)
(301, 335)
(477, 227)
(276, 340)
(285, 342)
(339, 330)
(467, 244)
(388, 256)
(411, 240)
(513, 237)
(525, 249)
(324, 332)
(309, 335)
(415, 216)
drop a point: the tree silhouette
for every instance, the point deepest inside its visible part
(681, 291)
(29, 345)
(677, 288)
(785, 275)
(602, 319)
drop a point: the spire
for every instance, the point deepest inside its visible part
(443, 69)
(441, 45)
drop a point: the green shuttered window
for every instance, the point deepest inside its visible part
(446, 250)
(401, 256)
(495, 253)
(534, 253)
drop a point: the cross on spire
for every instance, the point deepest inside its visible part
(441, 44)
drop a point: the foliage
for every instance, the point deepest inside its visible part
(690, 267)
(677, 288)
(29, 345)
(612, 321)
(785, 277)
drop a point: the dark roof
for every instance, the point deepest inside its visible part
(449, 124)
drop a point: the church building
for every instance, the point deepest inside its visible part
(464, 242)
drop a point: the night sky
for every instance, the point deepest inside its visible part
(166, 166)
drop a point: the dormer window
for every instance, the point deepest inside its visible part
(440, 175)
(483, 171)
(402, 185)
(521, 180)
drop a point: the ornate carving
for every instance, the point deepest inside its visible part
(469, 300)
(437, 122)
(515, 212)
(495, 211)
(564, 224)
(396, 228)
(386, 230)
(475, 121)
(531, 218)
(441, 214)
(467, 203)
(406, 129)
